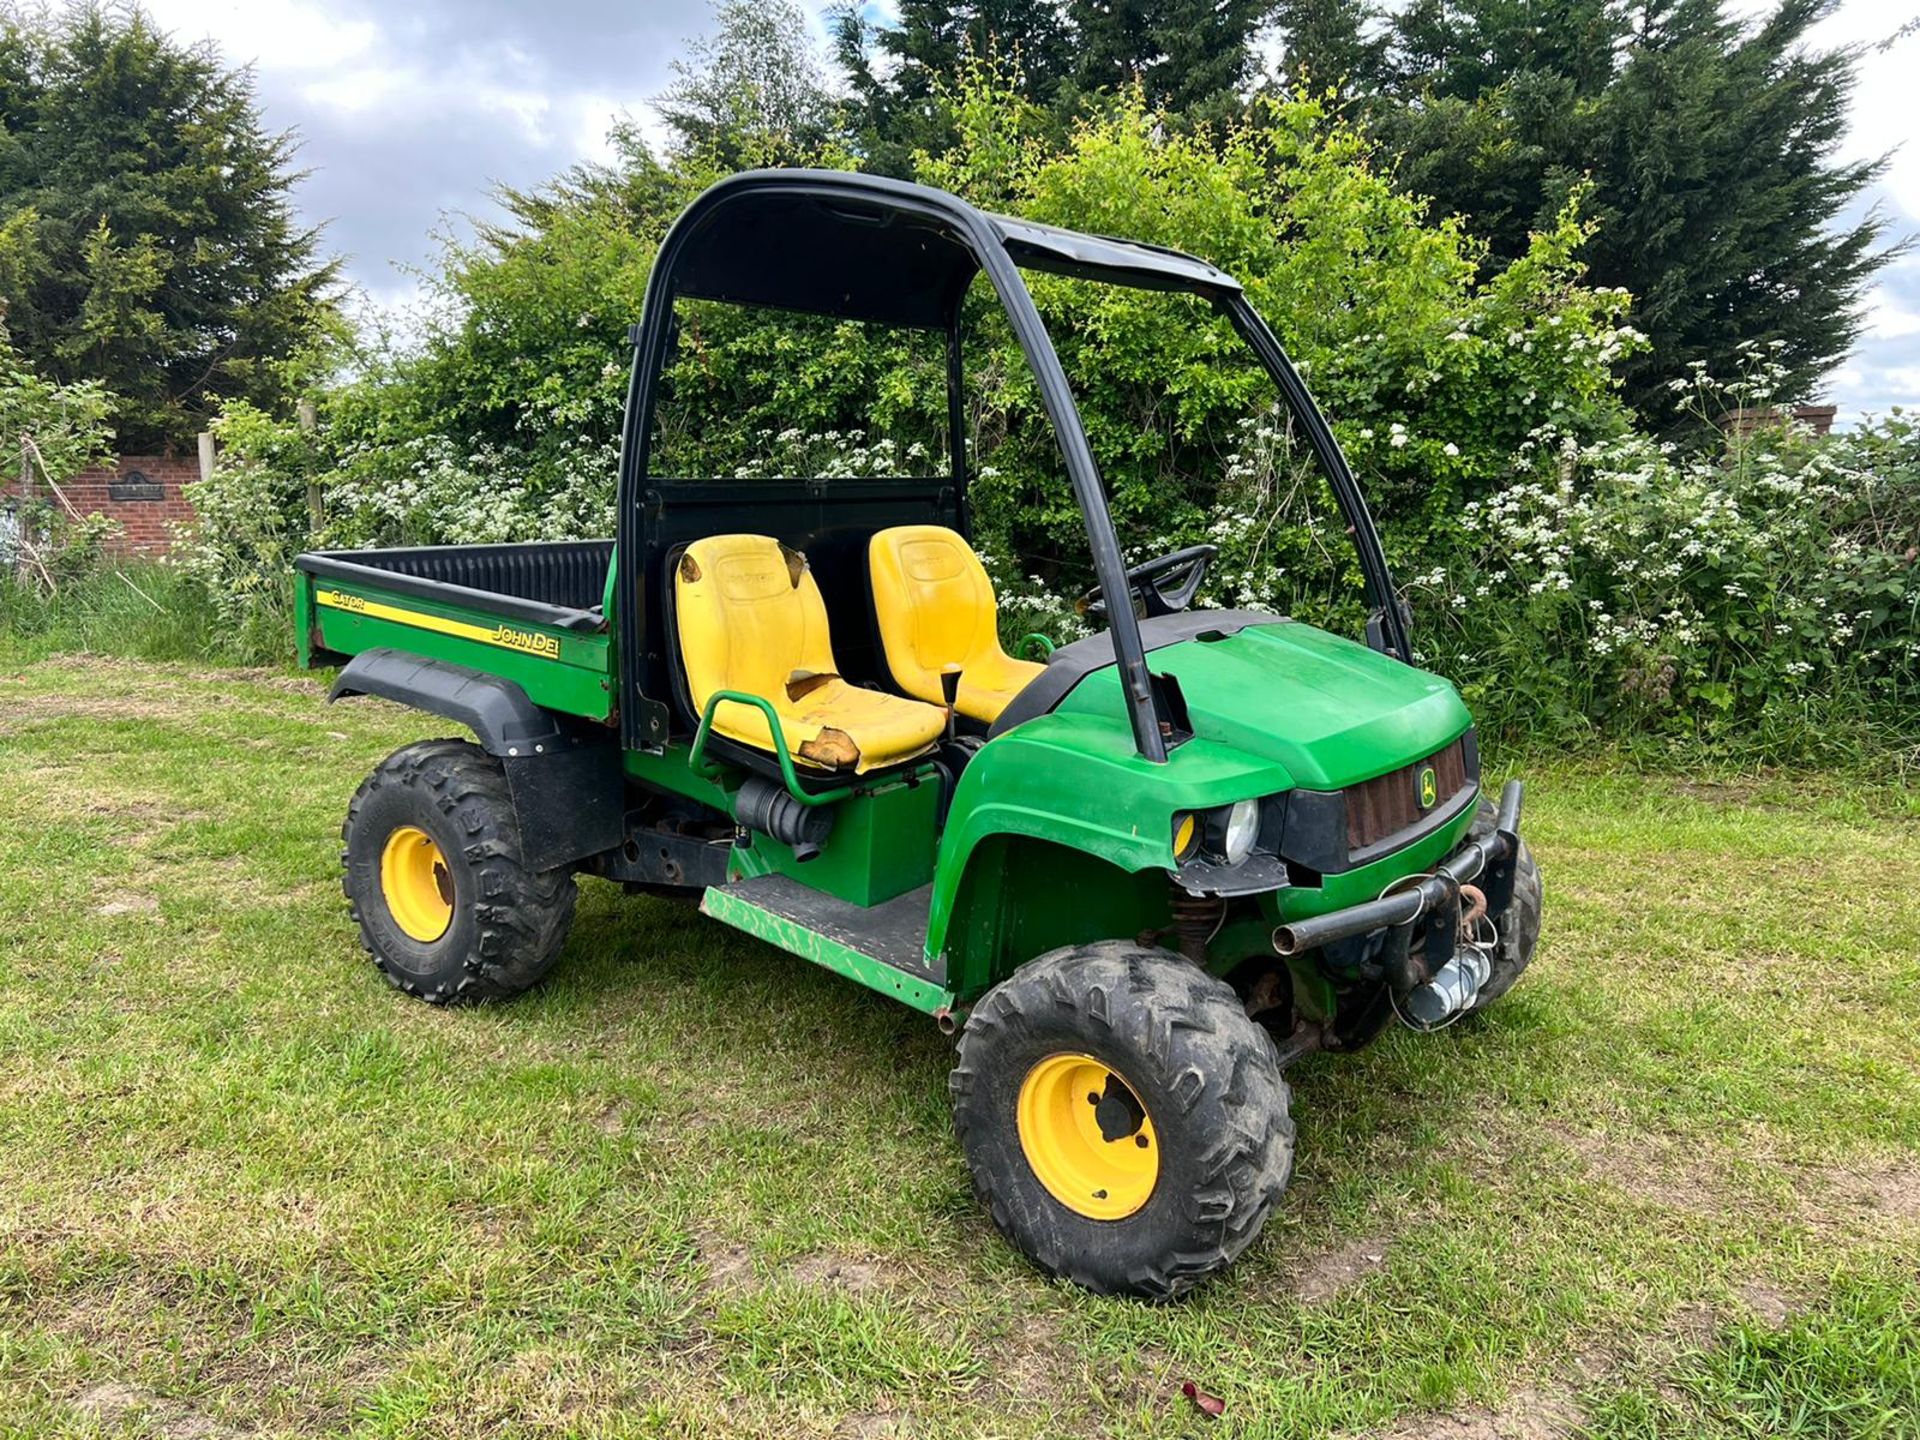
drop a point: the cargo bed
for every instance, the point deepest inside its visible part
(531, 613)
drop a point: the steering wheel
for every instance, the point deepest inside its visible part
(1144, 581)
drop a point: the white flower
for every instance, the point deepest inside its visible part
(1451, 448)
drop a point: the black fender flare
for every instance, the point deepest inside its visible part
(568, 787)
(498, 712)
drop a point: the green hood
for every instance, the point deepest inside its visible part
(1330, 710)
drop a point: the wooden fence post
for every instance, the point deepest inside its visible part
(316, 507)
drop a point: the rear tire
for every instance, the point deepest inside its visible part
(1094, 1065)
(1520, 927)
(434, 877)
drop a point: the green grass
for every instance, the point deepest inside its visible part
(691, 1186)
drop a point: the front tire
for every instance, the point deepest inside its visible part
(1519, 928)
(434, 877)
(1124, 1122)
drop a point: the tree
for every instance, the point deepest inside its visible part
(897, 72)
(1182, 52)
(752, 93)
(1707, 144)
(1338, 45)
(147, 236)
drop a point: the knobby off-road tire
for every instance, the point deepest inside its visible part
(432, 843)
(1177, 1045)
(1520, 927)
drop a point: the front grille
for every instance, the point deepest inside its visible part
(1390, 803)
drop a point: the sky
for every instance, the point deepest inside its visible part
(409, 114)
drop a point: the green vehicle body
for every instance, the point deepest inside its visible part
(1024, 863)
(1059, 831)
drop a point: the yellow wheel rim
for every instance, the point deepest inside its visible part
(416, 884)
(1087, 1136)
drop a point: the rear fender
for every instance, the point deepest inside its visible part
(568, 787)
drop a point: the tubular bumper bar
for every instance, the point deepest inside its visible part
(1493, 856)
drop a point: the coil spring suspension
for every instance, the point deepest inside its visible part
(1196, 920)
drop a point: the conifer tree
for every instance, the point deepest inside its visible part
(1707, 142)
(147, 233)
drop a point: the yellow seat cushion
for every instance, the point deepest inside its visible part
(936, 608)
(751, 619)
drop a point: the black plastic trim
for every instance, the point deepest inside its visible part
(498, 712)
(363, 567)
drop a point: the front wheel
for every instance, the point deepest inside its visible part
(1519, 928)
(1124, 1122)
(447, 908)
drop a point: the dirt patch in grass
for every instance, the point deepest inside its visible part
(878, 1425)
(1885, 1192)
(1766, 1302)
(1655, 1169)
(112, 1403)
(1528, 1414)
(128, 902)
(826, 1270)
(729, 1266)
(1334, 1271)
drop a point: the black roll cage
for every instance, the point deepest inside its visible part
(863, 247)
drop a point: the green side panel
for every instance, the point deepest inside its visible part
(571, 676)
(796, 939)
(670, 771)
(1075, 780)
(1023, 897)
(881, 846)
(303, 617)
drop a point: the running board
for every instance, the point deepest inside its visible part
(882, 946)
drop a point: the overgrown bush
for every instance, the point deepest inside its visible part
(1761, 594)
(1578, 578)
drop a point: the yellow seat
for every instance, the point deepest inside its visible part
(936, 608)
(751, 619)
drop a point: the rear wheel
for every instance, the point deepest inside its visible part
(1124, 1122)
(446, 906)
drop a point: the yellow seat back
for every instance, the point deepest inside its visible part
(751, 619)
(936, 608)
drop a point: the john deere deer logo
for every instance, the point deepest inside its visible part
(1429, 787)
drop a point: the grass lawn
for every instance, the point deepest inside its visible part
(692, 1186)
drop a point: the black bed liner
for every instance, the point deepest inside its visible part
(543, 582)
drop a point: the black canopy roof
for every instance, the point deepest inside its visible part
(861, 247)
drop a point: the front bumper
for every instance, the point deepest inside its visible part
(1488, 861)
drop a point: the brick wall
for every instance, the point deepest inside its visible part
(141, 492)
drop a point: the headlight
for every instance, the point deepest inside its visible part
(1231, 831)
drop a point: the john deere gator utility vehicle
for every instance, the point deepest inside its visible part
(1137, 880)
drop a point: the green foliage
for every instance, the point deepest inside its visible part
(1708, 140)
(146, 235)
(147, 610)
(48, 433)
(1181, 53)
(1762, 595)
(899, 73)
(1434, 375)
(750, 95)
(49, 430)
